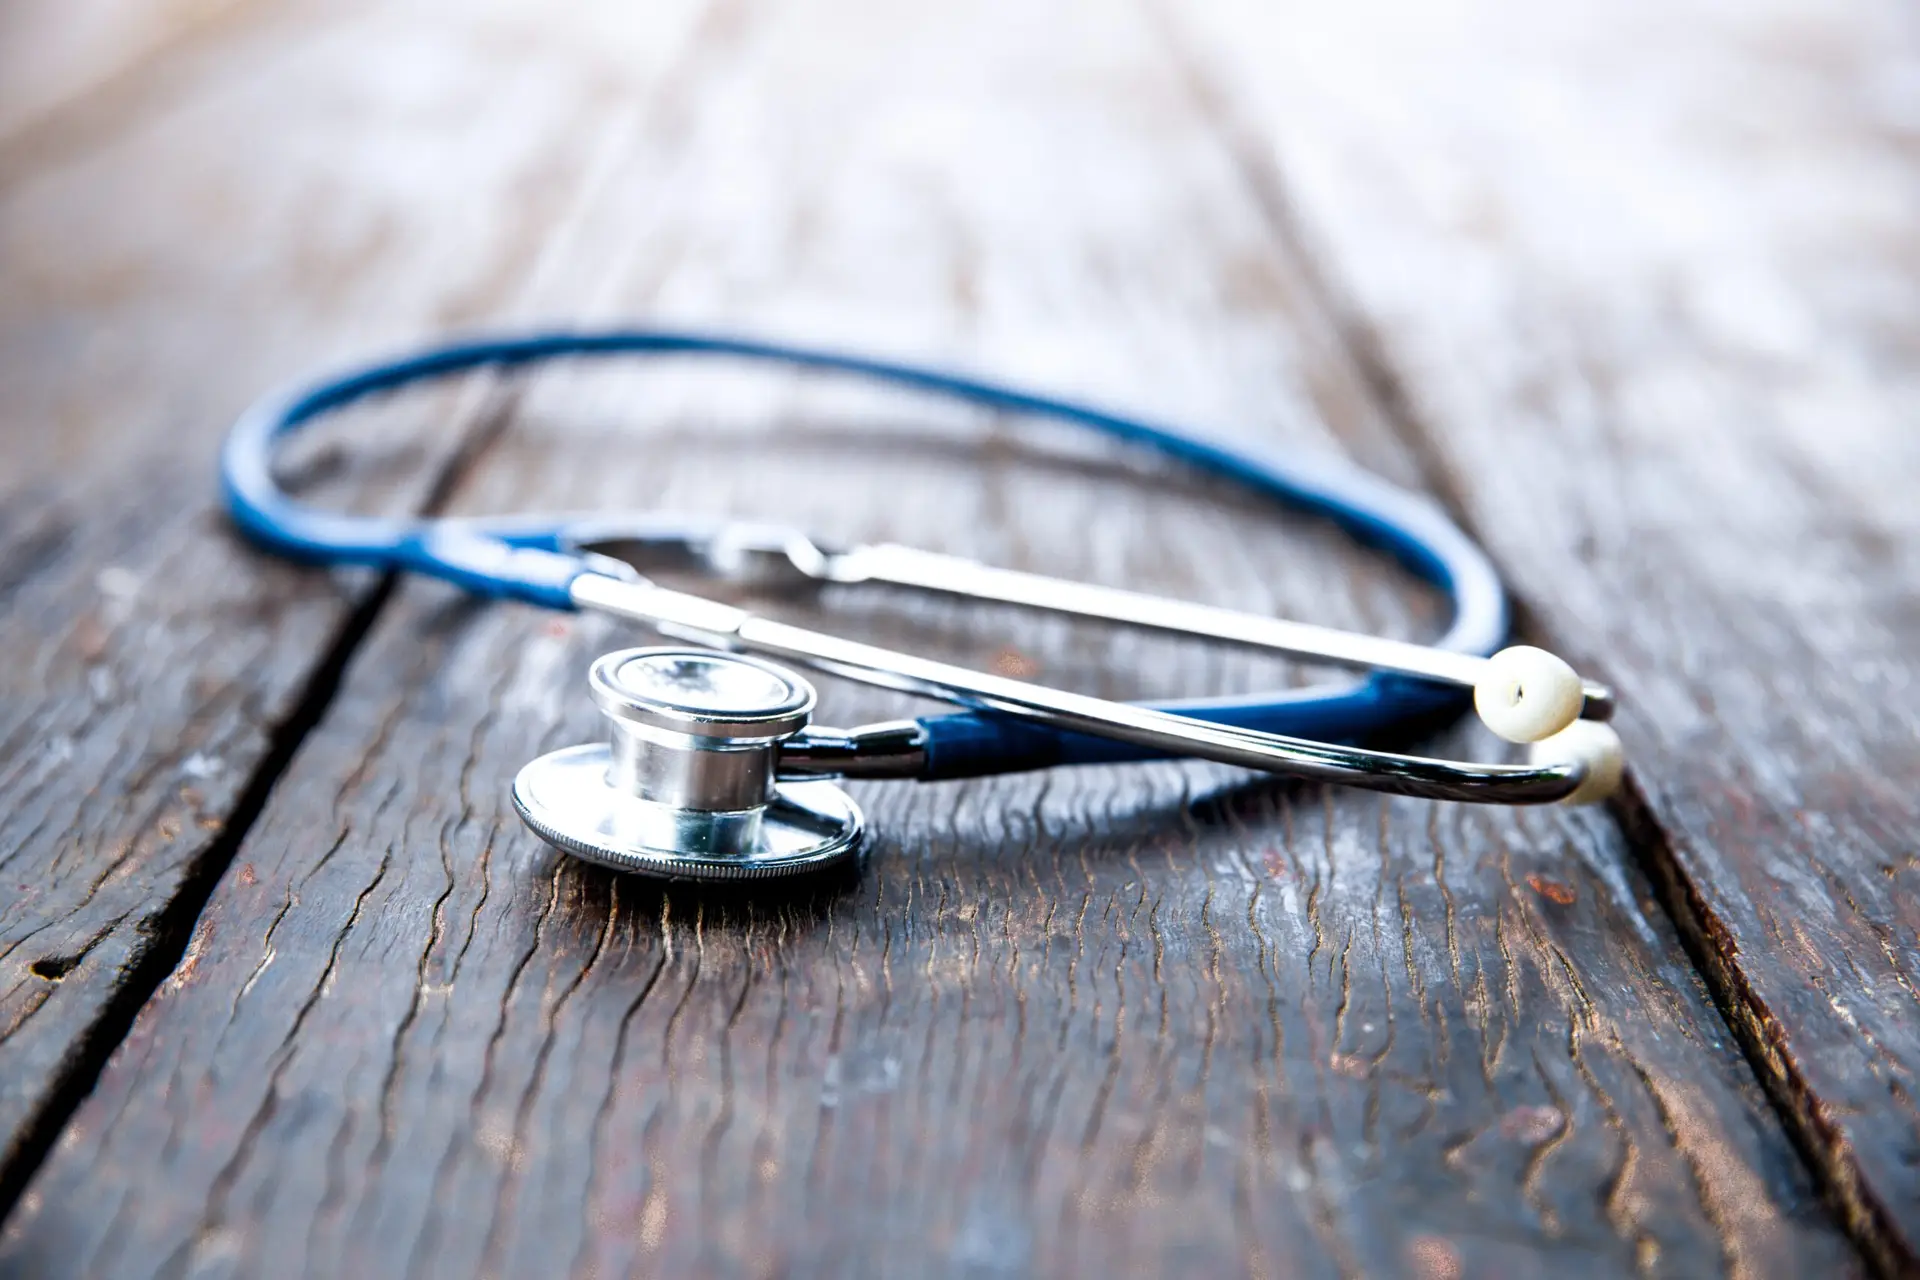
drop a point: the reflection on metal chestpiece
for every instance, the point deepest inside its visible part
(687, 785)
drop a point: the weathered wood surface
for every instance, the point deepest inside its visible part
(216, 241)
(1142, 1020)
(1644, 277)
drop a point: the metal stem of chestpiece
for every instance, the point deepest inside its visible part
(687, 785)
(723, 626)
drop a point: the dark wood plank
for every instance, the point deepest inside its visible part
(151, 285)
(1152, 1020)
(1643, 275)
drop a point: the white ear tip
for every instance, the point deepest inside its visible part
(1593, 746)
(1527, 694)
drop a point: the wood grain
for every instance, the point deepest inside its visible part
(157, 674)
(57, 54)
(1643, 276)
(1156, 1020)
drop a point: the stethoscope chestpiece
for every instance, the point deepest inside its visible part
(687, 785)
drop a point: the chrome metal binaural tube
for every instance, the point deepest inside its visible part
(690, 617)
(774, 555)
(953, 575)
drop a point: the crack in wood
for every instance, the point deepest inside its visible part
(1744, 1013)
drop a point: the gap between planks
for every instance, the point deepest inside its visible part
(175, 926)
(166, 929)
(1821, 1148)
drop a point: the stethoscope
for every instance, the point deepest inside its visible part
(711, 769)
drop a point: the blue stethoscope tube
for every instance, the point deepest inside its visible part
(534, 559)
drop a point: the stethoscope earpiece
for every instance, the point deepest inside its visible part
(687, 784)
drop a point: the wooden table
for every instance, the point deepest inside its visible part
(1629, 287)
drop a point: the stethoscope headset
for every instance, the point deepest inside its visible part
(711, 769)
